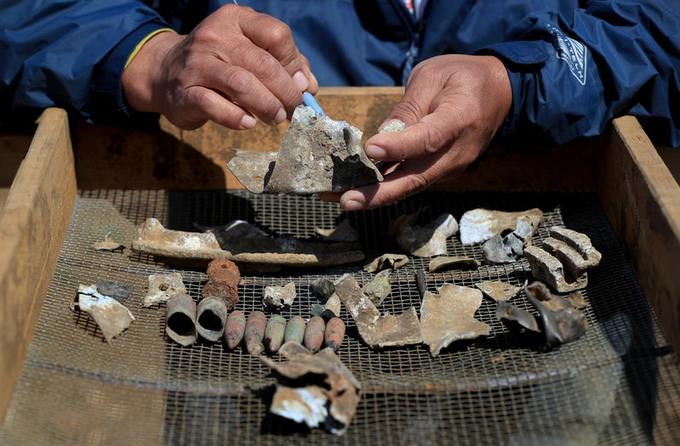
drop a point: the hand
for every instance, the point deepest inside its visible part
(235, 62)
(453, 106)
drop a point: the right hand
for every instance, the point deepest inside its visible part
(235, 63)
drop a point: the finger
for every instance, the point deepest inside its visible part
(428, 135)
(269, 72)
(203, 104)
(412, 176)
(242, 87)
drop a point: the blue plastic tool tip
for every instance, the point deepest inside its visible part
(310, 101)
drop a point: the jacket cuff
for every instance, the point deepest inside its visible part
(520, 58)
(109, 103)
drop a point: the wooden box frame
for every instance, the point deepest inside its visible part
(638, 194)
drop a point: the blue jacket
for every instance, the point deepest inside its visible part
(573, 65)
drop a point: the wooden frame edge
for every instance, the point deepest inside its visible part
(33, 225)
(642, 202)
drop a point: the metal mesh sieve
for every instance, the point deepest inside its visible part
(618, 384)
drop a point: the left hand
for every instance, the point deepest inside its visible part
(453, 107)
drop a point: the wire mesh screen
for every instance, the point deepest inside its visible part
(617, 384)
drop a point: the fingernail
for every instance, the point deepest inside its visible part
(248, 122)
(280, 116)
(301, 81)
(314, 79)
(353, 203)
(375, 151)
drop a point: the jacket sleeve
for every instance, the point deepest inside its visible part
(69, 53)
(571, 74)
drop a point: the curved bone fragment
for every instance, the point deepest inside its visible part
(444, 263)
(428, 240)
(376, 330)
(108, 244)
(155, 239)
(385, 261)
(513, 314)
(450, 316)
(479, 225)
(498, 291)
(317, 154)
(180, 319)
(111, 316)
(547, 268)
(333, 405)
(162, 287)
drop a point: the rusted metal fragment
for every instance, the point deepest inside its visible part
(113, 289)
(377, 330)
(428, 240)
(332, 405)
(243, 243)
(479, 225)
(180, 320)
(514, 315)
(378, 288)
(385, 261)
(444, 263)
(562, 323)
(236, 327)
(254, 334)
(110, 315)
(223, 279)
(317, 154)
(334, 334)
(322, 288)
(314, 333)
(421, 283)
(254, 168)
(343, 232)
(279, 297)
(295, 330)
(211, 317)
(450, 316)
(273, 333)
(508, 248)
(573, 249)
(108, 244)
(498, 291)
(162, 287)
(155, 239)
(547, 268)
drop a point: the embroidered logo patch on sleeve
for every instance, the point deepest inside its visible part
(571, 51)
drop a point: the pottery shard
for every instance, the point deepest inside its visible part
(450, 316)
(573, 249)
(374, 329)
(498, 291)
(428, 240)
(162, 287)
(278, 297)
(547, 268)
(479, 225)
(332, 405)
(108, 244)
(317, 154)
(109, 314)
